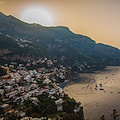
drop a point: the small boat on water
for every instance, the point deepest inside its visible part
(101, 89)
(100, 84)
(95, 88)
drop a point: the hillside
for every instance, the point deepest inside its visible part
(35, 41)
(13, 50)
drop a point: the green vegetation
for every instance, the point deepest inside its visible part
(45, 107)
(2, 71)
(114, 115)
(68, 106)
(56, 43)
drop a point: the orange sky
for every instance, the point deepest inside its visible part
(98, 19)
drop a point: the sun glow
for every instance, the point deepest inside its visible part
(37, 15)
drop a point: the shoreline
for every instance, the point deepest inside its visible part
(76, 76)
(64, 84)
(108, 77)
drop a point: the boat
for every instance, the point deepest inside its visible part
(101, 89)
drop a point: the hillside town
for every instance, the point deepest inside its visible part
(36, 94)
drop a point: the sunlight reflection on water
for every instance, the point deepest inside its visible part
(98, 92)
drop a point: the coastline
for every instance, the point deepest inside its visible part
(93, 99)
(64, 84)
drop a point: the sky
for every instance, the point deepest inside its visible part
(98, 19)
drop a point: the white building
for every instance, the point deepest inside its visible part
(59, 104)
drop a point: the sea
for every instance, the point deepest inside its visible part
(98, 92)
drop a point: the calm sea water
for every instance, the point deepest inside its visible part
(99, 93)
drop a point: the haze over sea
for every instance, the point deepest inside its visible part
(99, 92)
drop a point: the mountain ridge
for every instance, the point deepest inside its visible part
(60, 43)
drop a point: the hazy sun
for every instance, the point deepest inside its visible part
(37, 15)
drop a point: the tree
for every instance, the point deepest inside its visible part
(72, 116)
(2, 71)
(114, 115)
(102, 117)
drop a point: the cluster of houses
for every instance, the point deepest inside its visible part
(22, 84)
(30, 118)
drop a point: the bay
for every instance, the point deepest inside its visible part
(98, 92)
